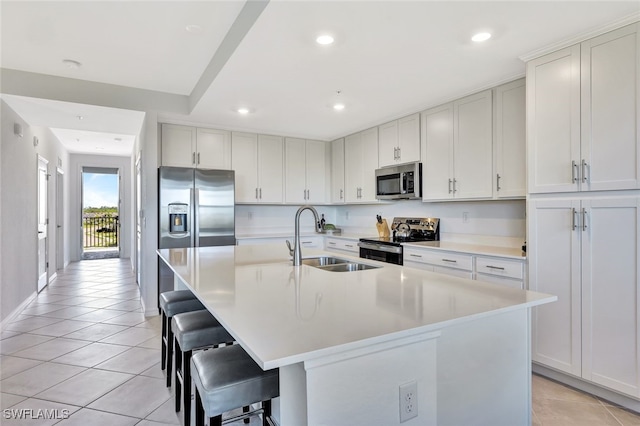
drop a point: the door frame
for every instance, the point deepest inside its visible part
(60, 218)
(42, 228)
(107, 170)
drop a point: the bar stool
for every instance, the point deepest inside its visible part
(173, 303)
(193, 330)
(226, 379)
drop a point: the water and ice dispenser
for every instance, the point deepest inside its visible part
(178, 218)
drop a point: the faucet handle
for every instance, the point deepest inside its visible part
(290, 248)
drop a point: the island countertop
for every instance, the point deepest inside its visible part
(283, 315)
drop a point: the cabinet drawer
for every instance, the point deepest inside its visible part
(340, 244)
(507, 282)
(438, 258)
(500, 267)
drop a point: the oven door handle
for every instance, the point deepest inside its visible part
(380, 247)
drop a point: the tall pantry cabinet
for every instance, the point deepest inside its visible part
(584, 209)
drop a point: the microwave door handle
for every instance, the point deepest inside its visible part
(403, 183)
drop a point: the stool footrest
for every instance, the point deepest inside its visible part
(246, 415)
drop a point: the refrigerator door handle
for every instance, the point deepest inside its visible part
(196, 211)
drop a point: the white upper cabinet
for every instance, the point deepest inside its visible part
(399, 141)
(337, 171)
(213, 149)
(610, 75)
(305, 169)
(510, 140)
(184, 146)
(582, 122)
(258, 161)
(457, 152)
(361, 161)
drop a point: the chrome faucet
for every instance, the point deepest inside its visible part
(296, 251)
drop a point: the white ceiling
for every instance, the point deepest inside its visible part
(390, 58)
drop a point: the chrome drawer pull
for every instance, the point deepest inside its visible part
(449, 260)
(494, 267)
(415, 255)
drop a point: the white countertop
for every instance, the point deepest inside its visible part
(282, 315)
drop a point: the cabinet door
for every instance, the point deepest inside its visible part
(244, 160)
(510, 145)
(213, 149)
(437, 153)
(553, 251)
(409, 138)
(270, 169)
(610, 109)
(473, 146)
(388, 144)
(337, 171)
(369, 164)
(610, 293)
(178, 145)
(352, 167)
(316, 171)
(553, 121)
(295, 184)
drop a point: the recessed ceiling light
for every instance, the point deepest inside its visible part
(194, 29)
(480, 37)
(324, 39)
(79, 117)
(71, 64)
(338, 107)
(243, 110)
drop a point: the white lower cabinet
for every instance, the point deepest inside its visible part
(456, 264)
(506, 272)
(586, 251)
(342, 245)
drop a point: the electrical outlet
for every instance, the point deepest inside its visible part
(465, 217)
(408, 401)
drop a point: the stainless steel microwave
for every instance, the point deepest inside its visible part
(401, 182)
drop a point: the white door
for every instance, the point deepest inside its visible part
(244, 160)
(553, 251)
(214, 149)
(473, 146)
(352, 167)
(610, 79)
(178, 145)
(43, 220)
(610, 291)
(270, 169)
(316, 171)
(337, 171)
(369, 164)
(59, 219)
(437, 153)
(409, 138)
(295, 169)
(510, 141)
(388, 144)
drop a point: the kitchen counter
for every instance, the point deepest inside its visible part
(311, 323)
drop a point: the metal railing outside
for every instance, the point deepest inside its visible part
(100, 231)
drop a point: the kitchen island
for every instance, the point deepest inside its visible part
(346, 342)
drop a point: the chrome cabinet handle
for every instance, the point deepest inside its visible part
(349, 245)
(193, 158)
(494, 267)
(256, 193)
(498, 182)
(260, 192)
(450, 181)
(450, 260)
(584, 219)
(415, 255)
(574, 171)
(341, 192)
(585, 167)
(454, 185)
(399, 153)
(573, 219)
(198, 158)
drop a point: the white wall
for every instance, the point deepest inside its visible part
(18, 236)
(75, 212)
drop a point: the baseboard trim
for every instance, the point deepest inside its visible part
(17, 310)
(53, 277)
(575, 382)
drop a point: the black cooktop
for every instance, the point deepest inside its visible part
(410, 230)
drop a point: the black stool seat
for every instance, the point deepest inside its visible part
(192, 330)
(227, 378)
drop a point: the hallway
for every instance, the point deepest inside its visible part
(84, 350)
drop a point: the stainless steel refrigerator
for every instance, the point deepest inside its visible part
(196, 208)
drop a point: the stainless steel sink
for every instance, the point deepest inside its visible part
(336, 264)
(323, 261)
(348, 267)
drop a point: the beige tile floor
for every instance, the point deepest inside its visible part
(84, 346)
